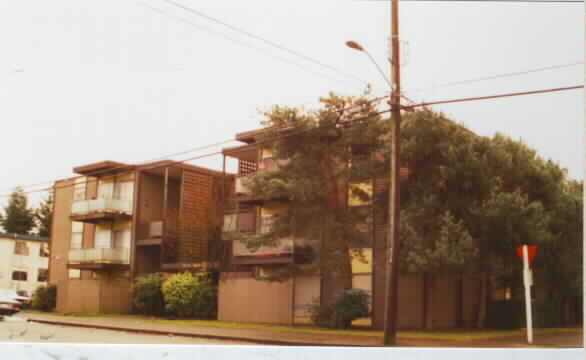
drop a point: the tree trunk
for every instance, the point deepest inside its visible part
(482, 304)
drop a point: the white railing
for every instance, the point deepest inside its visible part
(100, 256)
(282, 247)
(84, 207)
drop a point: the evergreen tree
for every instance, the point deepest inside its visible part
(18, 218)
(44, 216)
(318, 158)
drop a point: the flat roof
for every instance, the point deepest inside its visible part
(4, 235)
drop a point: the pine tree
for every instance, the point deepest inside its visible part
(18, 218)
(44, 216)
(318, 159)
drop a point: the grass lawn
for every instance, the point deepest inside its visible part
(454, 335)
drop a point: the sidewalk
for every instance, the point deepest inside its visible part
(269, 337)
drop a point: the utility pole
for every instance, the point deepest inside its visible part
(392, 266)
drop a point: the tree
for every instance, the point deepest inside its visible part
(318, 156)
(18, 218)
(44, 216)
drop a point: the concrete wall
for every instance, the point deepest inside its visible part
(78, 296)
(246, 299)
(61, 231)
(98, 295)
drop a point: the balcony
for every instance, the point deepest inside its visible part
(282, 252)
(99, 258)
(97, 210)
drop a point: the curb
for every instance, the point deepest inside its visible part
(192, 335)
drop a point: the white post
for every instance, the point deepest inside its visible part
(527, 280)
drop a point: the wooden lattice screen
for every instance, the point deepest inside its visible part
(246, 167)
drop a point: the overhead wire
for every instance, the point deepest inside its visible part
(408, 107)
(241, 43)
(262, 39)
(165, 157)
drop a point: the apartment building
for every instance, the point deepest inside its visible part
(436, 302)
(117, 221)
(24, 261)
(243, 295)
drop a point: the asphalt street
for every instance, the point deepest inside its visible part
(18, 329)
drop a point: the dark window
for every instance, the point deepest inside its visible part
(44, 250)
(43, 275)
(19, 275)
(20, 248)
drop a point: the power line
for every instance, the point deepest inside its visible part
(140, 163)
(241, 43)
(503, 75)
(532, 92)
(493, 1)
(175, 162)
(96, 173)
(259, 38)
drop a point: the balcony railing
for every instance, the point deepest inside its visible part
(85, 207)
(282, 247)
(99, 256)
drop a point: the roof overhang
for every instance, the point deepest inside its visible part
(102, 168)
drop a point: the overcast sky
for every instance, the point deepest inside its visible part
(126, 80)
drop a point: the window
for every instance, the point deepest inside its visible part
(121, 239)
(42, 275)
(76, 235)
(103, 239)
(124, 190)
(19, 275)
(74, 274)
(44, 250)
(21, 248)
(229, 223)
(79, 189)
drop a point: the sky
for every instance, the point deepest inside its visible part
(130, 81)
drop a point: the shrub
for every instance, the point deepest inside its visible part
(505, 314)
(188, 295)
(547, 314)
(147, 295)
(45, 298)
(351, 305)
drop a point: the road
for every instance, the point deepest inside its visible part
(17, 329)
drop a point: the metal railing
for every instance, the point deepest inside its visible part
(84, 207)
(282, 247)
(100, 256)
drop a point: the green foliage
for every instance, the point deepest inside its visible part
(147, 295)
(190, 296)
(45, 298)
(506, 314)
(18, 218)
(547, 314)
(44, 216)
(351, 305)
(313, 153)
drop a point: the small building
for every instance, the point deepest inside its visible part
(117, 221)
(24, 261)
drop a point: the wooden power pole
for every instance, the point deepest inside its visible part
(392, 266)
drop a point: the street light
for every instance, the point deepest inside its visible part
(392, 263)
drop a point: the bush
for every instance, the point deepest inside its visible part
(191, 296)
(505, 314)
(547, 315)
(147, 295)
(351, 305)
(45, 298)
